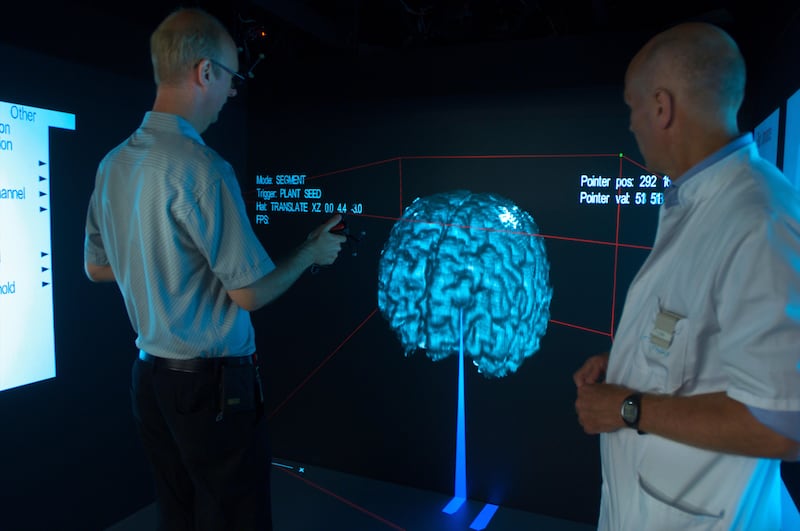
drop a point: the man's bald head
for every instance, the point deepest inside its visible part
(700, 63)
(684, 89)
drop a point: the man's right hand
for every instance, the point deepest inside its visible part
(322, 245)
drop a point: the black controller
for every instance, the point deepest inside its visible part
(343, 228)
(352, 241)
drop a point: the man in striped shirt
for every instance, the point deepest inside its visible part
(166, 222)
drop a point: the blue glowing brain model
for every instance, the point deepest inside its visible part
(476, 259)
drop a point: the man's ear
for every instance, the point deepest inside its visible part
(202, 72)
(665, 107)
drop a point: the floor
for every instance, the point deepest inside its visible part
(317, 499)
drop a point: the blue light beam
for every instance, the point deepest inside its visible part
(484, 517)
(461, 439)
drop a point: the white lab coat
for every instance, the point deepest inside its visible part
(721, 278)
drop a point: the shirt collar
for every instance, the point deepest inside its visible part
(171, 122)
(671, 194)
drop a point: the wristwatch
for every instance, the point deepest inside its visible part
(631, 410)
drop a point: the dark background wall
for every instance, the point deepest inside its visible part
(355, 402)
(344, 395)
(341, 394)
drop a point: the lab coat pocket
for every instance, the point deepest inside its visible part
(660, 514)
(665, 346)
(674, 478)
(693, 485)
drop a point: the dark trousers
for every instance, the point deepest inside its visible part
(211, 470)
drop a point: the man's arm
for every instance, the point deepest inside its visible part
(716, 422)
(98, 273)
(712, 421)
(321, 247)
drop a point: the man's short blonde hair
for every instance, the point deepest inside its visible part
(184, 38)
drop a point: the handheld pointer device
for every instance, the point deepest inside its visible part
(343, 228)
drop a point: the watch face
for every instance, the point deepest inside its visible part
(630, 411)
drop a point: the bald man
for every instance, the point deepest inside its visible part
(698, 400)
(167, 222)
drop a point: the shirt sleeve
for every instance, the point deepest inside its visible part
(759, 319)
(787, 423)
(222, 231)
(93, 249)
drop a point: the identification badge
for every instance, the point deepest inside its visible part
(664, 328)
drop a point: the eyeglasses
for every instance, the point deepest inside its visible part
(237, 79)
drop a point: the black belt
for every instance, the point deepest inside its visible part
(195, 364)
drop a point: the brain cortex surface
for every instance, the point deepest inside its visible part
(463, 270)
